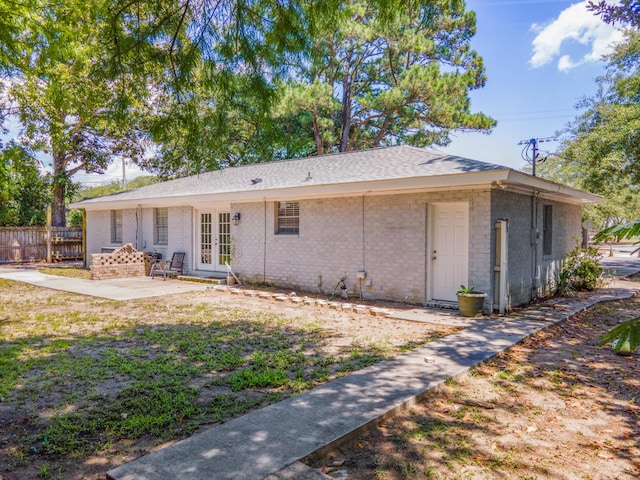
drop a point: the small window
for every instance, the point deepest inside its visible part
(288, 218)
(547, 230)
(116, 226)
(160, 226)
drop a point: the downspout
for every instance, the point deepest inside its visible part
(364, 265)
(535, 236)
(264, 245)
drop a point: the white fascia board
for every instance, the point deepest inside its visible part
(506, 178)
(381, 187)
(549, 189)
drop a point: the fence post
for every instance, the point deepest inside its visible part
(84, 237)
(49, 255)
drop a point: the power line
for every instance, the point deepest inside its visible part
(530, 152)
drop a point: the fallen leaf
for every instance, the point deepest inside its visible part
(338, 463)
(606, 455)
(532, 429)
(494, 446)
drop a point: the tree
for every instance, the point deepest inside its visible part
(402, 77)
(271, 89)
(24, 192)
(626, 12)
(600, 151)
(67, 106)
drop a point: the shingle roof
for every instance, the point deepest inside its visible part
(375, 167)
(387, 163)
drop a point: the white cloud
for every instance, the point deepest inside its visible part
(574, 24)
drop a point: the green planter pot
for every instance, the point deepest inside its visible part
(470, 304)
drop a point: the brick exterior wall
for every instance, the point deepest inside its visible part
(123, 262)
(526, 263)
(384, 235)
(137, 229)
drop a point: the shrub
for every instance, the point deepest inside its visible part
(581, 271)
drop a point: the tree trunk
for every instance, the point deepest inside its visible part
(59, 218)
(317, 134)
(346, 107)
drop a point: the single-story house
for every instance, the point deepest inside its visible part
(398, 223)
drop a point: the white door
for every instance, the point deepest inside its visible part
(214, 240)
(450, 249)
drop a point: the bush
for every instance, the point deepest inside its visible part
(581, 271)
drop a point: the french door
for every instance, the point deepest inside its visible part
(214, 240)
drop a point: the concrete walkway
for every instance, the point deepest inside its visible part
(268, 443)
(113, 289)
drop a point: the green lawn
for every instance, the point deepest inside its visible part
(83, 376)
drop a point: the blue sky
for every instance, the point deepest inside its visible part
(541, 57)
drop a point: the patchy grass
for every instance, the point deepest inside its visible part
(63, 271)
(88, 383)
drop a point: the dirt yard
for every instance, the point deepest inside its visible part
(80, 376)
(554, 407)
(87, 384)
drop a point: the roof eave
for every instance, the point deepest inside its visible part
(548, 189)
(385, 186)
(502, 178)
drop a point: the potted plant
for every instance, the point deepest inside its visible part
(470, 302)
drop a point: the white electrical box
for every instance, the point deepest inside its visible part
(361, 275)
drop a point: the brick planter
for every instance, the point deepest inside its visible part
(125, 261)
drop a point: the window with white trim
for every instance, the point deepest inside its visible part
(288, 218)
(547, 230)
(160, 226)
(116, 226)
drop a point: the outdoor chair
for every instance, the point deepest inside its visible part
(172, 268)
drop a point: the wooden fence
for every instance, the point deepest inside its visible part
(36, 244)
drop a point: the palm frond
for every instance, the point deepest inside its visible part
(618, 232)
(625, 331)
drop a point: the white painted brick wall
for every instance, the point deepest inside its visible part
(336, 239)
(517, 209)
(385, 235)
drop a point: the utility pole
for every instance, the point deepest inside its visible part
(124, 178)
(532, 144)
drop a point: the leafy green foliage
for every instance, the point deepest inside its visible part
(403, 77)
(601, 149)
(581, 271)
(24, 192)
(628, 331)
(67, 105)
(114, 187)
(463, 290)
(626, 12)
(619, 232)
(624, 335)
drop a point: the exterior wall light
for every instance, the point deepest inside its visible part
(236, 218)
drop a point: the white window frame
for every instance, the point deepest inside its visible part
(160, 226)
(288, 218)
(116, 226)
